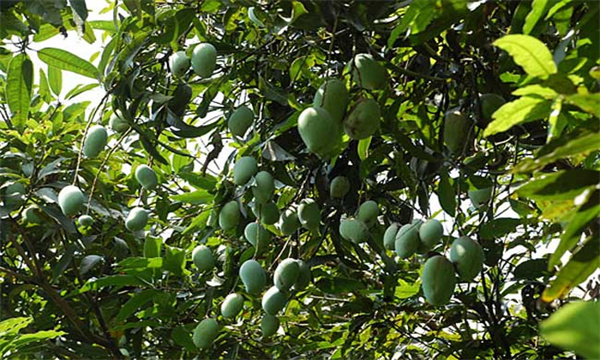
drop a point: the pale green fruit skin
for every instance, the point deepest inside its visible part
(253, 277)
(205, 333)
(229, 217)
(118, 124)
(257, 235)
(95, 141)
(203, 258)
(31, 215)
(273, 301)
(438, 280)
(333, 97)
(339, 187)
(264, 188)
(368, 212)
(286, 274)
(14, 195)
(269, 325)
(457, 128)
(240, 120)
(232, 305)
(389, 237)
(288, 222)
(244, 169)
(267, 213)
(368, 73)
(137, 219)
(309, 214)
(146, 177)
(304, 276)
(70, 200)
(317, 130)
(85, 220)
(468, 256)
(179, 63)
(489, 104)
(354, 230)
(431, 233)
(204, 60)
(480, 197)
(407, 241)
(364, 120)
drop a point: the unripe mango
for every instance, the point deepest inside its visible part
(263, 188)
(288, 222)
(240, 120)
(368, 73)
(368, 212)
(137, 219)
(457, 129)
(339, 187)
(286, 274)
(95, 141)
(146, 177)
(117, 123)
(480, 197)
(438, 280)
(354, 230)
(309, 214)
(181, 98)
(333, 97)
(33, 215)
(70, 200)
(489, 104)
(304, 276)
(273, 301)
(85, 220)
(253, 276)
(203, 258)
(431, 233)
(267, 213)
(468, 257)
(389, 237)
(257, 235)
(318, 130)
(364, 119)
(229, 217)
(204, 60)
(179, 63)
(232, 305)
(205, 333)
(407, 241)
(244, 169)
(269, 325)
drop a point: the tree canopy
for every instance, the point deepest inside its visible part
(281, 179)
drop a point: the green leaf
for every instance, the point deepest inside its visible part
(575, 327)
(538, 9)
(530, 53)
(498, 228)
(182, 337)
(64, 60)
(561, 185)
(45, 88)
(79, 8)
(19, 83)
(586, 102)
(38, 336)
(531, 269)
(111, 280)
(522, 110)
(79, 89)
(142, 262)
(418, 16)
(363, 148)
(55, 79)
(195, 197)
(134, 303)
(13, 325)
(198, 222)
(447, 195)
(174, 260)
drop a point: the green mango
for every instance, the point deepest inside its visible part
(368, 212)
(286, 274)
(468, 257)
(268, 213)
(14, 195)
(263, 188)
(389, 237)
(253, 276)
(179, 63)
(407, 241)
(136, 219)
(95, 141)
(240, 120)
(288, 222)
(229, 217)
(232, 305)
(204, 60)
(33, 215)
(480, 197)
(181, 98)
(354, 230)
(431, 233)
(368, 73)
(269, 325)
(438, 280)
(457, 130)
(205, 333)
(319, 132)
(85, 220)
(333, 97)
(257, 235)
(304, 276)
(273, 301)
(70, 200)
(203, 258)
(363, 120)
(339, 187)
(117, 123)
(244, 169)
(146, 177)
(309, 214)
(489, 104)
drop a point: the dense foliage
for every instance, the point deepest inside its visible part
(480, 114)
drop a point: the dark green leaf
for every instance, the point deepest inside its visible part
(447, 195)
(531, 269)
(19, 83)
(497, 228)
(561, 185)
(64, 60)
(134, 303)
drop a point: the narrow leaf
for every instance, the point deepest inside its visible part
(64, 60)
(522, 110)
(19, 82)
(538, 9)
(55, 79)
(134, 303)
(447, 195)
(363, 148)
